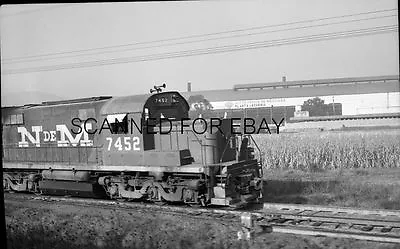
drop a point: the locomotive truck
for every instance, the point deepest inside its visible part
(141, 147)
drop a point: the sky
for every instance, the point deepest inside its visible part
(28, 32)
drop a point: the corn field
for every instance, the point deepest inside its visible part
(331, 150)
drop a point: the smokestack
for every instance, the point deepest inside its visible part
(189, 87)
(283, 78)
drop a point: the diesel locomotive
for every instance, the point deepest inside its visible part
(141, 147)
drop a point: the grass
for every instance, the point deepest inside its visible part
(331, 150)
(343, 168)
(373, 188)
(62, 226)
(65, 227)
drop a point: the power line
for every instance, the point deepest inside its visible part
(202, 40)
(24, 12)
(213, 50)
(199, 35)
(216, 49)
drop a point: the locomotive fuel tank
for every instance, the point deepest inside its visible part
(66, 175)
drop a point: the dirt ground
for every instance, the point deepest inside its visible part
(373, 188)
(38, 224)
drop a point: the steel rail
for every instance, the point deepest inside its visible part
(319, 208)
(341, 220)
(335, 233)
(290, 218)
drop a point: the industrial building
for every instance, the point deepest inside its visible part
(284, 99)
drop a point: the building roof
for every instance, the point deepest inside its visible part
(312, 88)
(321, 82)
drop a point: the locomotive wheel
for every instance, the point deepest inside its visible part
(202, 201)
(154, 194)
(6, 186)
(112, 191)
(188, 195)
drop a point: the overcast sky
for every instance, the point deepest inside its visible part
(32, 30)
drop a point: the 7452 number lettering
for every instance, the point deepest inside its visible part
(124, 143)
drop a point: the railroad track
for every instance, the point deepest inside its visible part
(371, 225)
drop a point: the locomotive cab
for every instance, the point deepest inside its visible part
(161, 113)
(168, 105)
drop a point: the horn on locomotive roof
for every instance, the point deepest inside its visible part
(158, 88)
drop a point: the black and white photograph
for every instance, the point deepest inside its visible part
(201, 124)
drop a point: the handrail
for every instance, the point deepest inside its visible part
(259, 151)
(200, 143)
(226, 146)
(197, 139)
